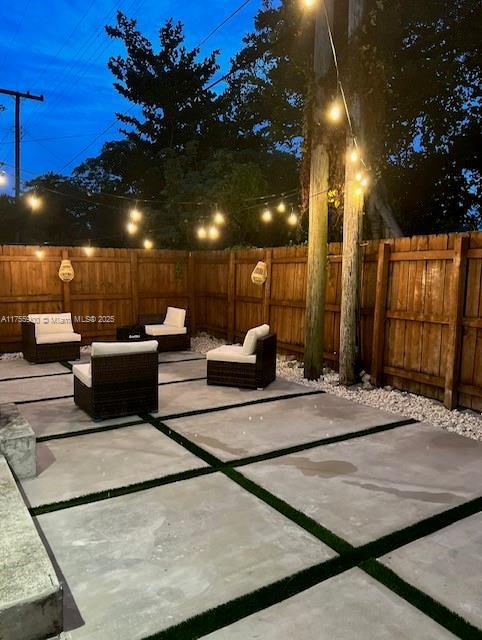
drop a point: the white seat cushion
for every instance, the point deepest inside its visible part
(164, 330)
(83, 373)
(175, 317)
(53, 338)
(251, 338)
(230, 353)
(118, 348)
(51, 323)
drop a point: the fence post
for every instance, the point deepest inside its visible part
(191, 285)
(231, 295)
(135, 285)
(378, 345)
(457, 299)
(267, 286)
(65, 286)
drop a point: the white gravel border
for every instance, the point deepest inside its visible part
(465, 422)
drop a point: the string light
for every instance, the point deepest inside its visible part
(148, 244)
(132, 228)
(335, 112)
(266, 216)
(202, 234)
(135, 215)
(293, 219)
(39, 253)
(281, 208)
(354, 156)
(34, 201)
(3, 178)
(219, 218)
(359, 176)
(309, 3)
(213, 233)
(365, 182)
(88, 250)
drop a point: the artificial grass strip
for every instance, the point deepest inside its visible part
(182, 360)
(447, 618)
(86, 432)
(107, 494)
(250, 603)
(199, 412)
(352, 435)
(67, 365)
(161, 384)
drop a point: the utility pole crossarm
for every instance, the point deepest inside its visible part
(19, 95)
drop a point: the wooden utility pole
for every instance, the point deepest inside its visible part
(18, 95)
(318, 204)
(352, 231)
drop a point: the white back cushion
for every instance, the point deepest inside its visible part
(51, 323)
(118, 348)
(251, 338)
(175, 317)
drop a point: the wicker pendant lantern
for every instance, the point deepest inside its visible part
(260, 273)
(66, 271)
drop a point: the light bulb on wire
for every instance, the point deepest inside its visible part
(148, 244)
(39, 253)
(354, 156)
(132, 228)
(88, 250)
(213, 233)
(3, 178)
(292, 219)
(202, 234)
(135, 215)
(309, 3)
(266, 216)
(335, 112)
(218, 218)
(34, 201)
(281, 208)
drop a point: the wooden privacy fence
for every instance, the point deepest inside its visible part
(420, 304)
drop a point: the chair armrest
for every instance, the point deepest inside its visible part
(28, 333)
(266, 351)
(150, 319)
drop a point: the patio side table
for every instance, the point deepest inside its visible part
(130, 333)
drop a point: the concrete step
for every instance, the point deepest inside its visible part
(17, 442)
(30, 593)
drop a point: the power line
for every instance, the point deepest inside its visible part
(221, 24)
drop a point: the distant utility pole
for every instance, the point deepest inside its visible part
(352, 231)
(318, 204)
(18, 95)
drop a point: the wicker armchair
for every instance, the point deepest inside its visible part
(50, 337)
(120, 380)
(254, 371)
(171, 331)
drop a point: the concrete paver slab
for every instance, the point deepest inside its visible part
(351, 606)
(21, 368)
(367, 487)
(85, 464)
(186, 370)
(139, 563)
(447, 565)
(62, 416)
(36, 388)
(246, 431)
(175, 356)
(192, 396)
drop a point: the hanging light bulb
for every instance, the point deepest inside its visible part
(365, 182)
(88, 250)
(213, 233)
(34, 201)
(202, 234)
(281, 208)
(135, 215)
(292, 219)
(3, 178)
(219, 218)
(354, 156)
(266, 216)
(359, 191)
(309, 3)
(39, 253)
(335, 112)
(148, 244)
(359, 176)
(132, 228)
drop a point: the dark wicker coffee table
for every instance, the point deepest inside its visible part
(130, 333)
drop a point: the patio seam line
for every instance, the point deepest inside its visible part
(107, 494)
(38, 375)
(183, 360)
(441, 614)
(84, 432)
(199, 412)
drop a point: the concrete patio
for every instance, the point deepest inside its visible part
(235, 515)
